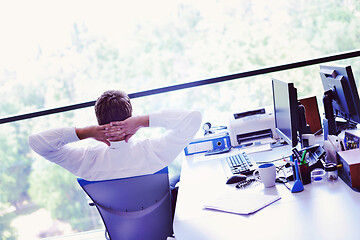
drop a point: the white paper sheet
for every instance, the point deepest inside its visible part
(241, 202)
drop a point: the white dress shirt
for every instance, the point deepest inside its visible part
(120, 159)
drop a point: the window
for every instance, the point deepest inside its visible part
(66, 52)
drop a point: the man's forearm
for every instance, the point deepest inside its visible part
(96, 132)
(114, 130)
(144, 121)
(83, 133)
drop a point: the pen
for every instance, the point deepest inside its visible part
(303, 158)
(296, 154)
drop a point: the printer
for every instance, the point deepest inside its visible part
(251, 127)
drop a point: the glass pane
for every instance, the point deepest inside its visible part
(56, 59)
(66, 52)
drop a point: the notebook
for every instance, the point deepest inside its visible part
(241, 202)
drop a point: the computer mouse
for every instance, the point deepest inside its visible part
(236, 178)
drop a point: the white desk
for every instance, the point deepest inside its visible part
(327, 210)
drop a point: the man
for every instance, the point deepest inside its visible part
(117, 155)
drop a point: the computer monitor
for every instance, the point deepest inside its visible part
(285, 111)
(341, 99)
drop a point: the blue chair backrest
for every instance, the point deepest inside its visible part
(135, 207)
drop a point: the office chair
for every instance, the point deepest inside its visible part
(135, 207)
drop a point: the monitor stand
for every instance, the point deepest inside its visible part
(331, 126)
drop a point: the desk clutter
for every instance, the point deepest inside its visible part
(253, 128)
(314, 163)
(342, 157)
(337, 158)
(309, 158)
(217, 140)
(214, 140)
(297, 123)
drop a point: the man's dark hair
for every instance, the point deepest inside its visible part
(112, 105)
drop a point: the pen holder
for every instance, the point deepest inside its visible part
(304, 173)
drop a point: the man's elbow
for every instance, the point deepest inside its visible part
(35, 144)
(31, 141)
(196, 121)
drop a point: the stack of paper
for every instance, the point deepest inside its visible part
(241, 202)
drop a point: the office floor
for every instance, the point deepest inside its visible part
(91, 235)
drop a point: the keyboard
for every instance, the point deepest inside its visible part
(240, 163)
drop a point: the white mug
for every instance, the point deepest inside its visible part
(267, 173)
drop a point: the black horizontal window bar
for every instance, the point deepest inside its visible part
(288, 66)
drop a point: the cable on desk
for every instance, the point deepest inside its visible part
(245, 183)
(274, 160)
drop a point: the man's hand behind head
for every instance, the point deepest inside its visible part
(127, 128)
(96, 132)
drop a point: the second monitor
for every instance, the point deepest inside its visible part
(290, 121)
(341, 99)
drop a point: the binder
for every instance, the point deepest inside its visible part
(208, 142)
